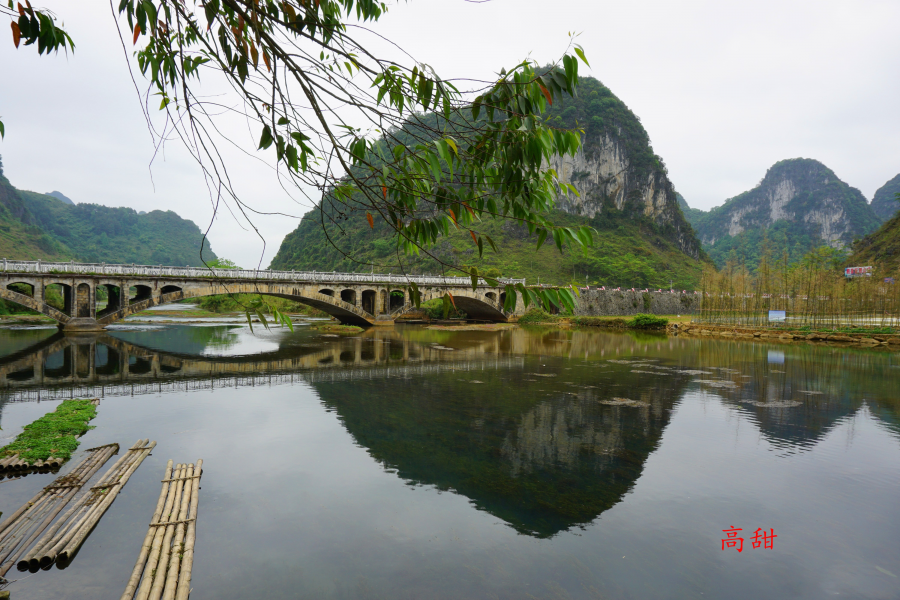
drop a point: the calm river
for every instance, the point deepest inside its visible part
(421, 463)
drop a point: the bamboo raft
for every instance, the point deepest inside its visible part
(63, 539)
(13, 464)
(163, 567)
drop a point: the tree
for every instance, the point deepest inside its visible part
(34, 26)
(222, 263)
(393, 141)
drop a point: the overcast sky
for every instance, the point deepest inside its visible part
(724, 89)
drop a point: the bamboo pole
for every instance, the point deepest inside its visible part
(156, 549)
(171, 581)
(93, 517)
(159, 578)
(53, 499)
(187, 562)
(75, 518)
(32, 559)
(63, 493)
(163, 568)
(135, 578)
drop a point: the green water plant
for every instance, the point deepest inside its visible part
(642, 321)
(55, 434)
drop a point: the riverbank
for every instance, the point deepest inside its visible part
(891, 340)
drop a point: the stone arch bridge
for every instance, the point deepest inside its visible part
(353, 298)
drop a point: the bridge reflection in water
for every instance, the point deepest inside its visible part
(97, 365)
(541, 455)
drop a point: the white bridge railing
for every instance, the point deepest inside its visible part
(73, 268)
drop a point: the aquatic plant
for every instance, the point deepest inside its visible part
(54, 434)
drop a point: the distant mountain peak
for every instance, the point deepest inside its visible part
(799, 204)
(61, 196)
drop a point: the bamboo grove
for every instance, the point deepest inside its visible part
(813, 292)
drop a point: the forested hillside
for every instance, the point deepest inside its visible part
(40, 226)
(642, 237)
(880, 249)
(96, 233)
(20, 237)
(885, 203)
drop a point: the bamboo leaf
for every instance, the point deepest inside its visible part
(580, 54)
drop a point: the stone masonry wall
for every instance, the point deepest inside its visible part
(613, 303)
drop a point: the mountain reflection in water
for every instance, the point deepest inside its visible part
(545, 430)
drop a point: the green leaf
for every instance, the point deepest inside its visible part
(443, 151)
(509, 304)
(2, 130)
(473, 274)
(580, 54)
(435, 167)
(542, 236)
(265, 139)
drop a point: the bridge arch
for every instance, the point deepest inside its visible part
(341, 310)
(19, 285)
(34, 304)
(369, 300)
(477, 305)
(396, 300)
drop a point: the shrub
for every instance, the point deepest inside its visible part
(642, 321)
(434, 309)
(536, 315)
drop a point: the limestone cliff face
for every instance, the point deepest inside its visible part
(805, 194)
(604, 174)
(615, 168)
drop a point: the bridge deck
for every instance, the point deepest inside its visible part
(150, 271)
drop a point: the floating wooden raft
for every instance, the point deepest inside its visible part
(68, 533)
(167, 554)
(14, 463)
(24, 525)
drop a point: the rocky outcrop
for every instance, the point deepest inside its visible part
(603, 175)
(616, 168)
(800, 200)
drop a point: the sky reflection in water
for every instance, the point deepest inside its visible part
(416, 463)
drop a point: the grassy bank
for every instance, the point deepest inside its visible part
(337, 328)
(55, 434)
(536, 316)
